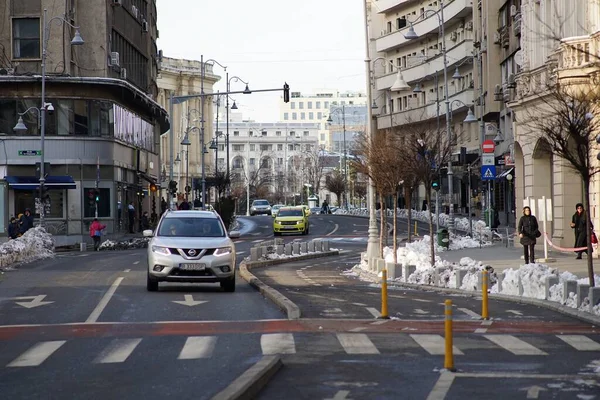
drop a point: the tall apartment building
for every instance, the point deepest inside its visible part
(105, 127)
(179, 78)
(280, 157)
(544, 62)
(316, 108)
(420, 63)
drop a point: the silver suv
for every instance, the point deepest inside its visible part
(260, 207)
(191, 246)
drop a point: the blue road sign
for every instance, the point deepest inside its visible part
(488, 172)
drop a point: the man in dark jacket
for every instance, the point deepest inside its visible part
(26, 222)
(578, 223)
(528, 231)
(13, 228)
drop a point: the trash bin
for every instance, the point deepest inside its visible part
(486, 214)
(443, 238)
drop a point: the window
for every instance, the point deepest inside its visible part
(266, 147)
(277, 133)
(236, 133)
(286, 116)
(302, 115)
(319, 115)
(322, 137)
(237, 163)
(301, 105)
(264, 133)
(318, 105)
(311, 115)
(326, 104)
(238, 147)
(292, 133)
(400, 22)
(252, 161)
(280, 161)
(26, 199)
(252, 147)
(290, 147)
(250, 133)
(309, 105)
(389, 26)
(80, 112)
(308, 147)
(293, 105)
(103, 204)
(221, 147)
(294, 116)
(306, 133)
(26, 37)
(279, 147)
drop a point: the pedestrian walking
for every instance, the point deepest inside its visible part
(131, 216)
(96, 233)
(25, 221)
(145, 221)
(163, 205)
(578, 223)
(528, 231)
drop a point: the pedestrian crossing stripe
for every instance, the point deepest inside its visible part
(203, 347)
(488, 173)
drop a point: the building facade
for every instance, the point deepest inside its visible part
(105, 125)
(544, 63)
(179, 78)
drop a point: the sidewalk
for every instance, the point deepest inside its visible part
(501, 258)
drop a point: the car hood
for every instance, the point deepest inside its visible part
(261, 206)
(191, 243)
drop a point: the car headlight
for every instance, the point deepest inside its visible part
(161, 250)
(268, 208)
(277, 221)
(299, 222)
(222, 251)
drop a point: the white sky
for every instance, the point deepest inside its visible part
(311, 44)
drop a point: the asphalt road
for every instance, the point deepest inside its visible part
(82, 325)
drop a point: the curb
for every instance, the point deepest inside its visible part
(291, 309)
(551, 305)
(250, 383)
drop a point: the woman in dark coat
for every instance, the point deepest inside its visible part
(528, 230)
(578, 223)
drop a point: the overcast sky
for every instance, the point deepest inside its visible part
(311, 44)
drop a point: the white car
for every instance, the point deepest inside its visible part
(275, 209)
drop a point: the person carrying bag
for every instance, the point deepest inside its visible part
(528, 230)
(96, 233)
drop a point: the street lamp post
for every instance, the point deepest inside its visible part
(233, 107)
(344, 163)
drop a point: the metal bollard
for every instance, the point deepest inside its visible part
(384, 296)
(449, 355)
(484, 295)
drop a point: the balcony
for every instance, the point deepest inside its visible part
(454, 9)
(385, 6)
(426, 112)
(415, 72)
(579, 52)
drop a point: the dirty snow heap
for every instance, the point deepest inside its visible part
(35, 244)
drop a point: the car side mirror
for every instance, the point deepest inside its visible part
(234, 234)
(148, 233)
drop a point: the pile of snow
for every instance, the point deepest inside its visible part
(135, 243)
(480, 229)
(35, 244)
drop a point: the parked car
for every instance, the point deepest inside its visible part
(291, 220)
(191, 246)
(315, 210)
(275, 209)
(260, 207)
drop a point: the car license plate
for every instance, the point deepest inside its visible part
(288, 227)
(192, 267)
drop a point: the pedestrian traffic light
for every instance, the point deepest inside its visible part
(435, 182)
(92, 198)
(286, 93)
(96, 195)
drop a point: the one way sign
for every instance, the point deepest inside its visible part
(488, 172)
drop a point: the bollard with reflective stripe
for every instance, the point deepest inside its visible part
(384, 295)
(449, 356)
(484, 295)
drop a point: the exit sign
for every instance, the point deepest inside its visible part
(30, 152)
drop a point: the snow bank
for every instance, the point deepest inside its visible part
(135, 243)
(35, 244)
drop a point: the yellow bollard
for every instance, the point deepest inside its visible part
(416, 233)
(449, 356)
(484, 295)
(384, 296)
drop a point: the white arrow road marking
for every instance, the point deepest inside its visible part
(189, 301)
(419, 311)
(104, 302)
(515, 312)
(35, 302)
(37, 354)
(340, 395)
(533, 392)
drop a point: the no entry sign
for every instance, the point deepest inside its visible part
(488, 146)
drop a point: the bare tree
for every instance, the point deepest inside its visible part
(568, 120)
(314, 160)
(335, 183)
(360, 190)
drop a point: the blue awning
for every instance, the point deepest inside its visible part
(33, 183)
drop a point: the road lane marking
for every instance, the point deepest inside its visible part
(470, 313)
(257, 241)
(360, 304)
(381, 322)
(198, 347)
(442, 386)
(136, 262)
(357, 343)
(333, 231)
(374, 312)
(487, 322)
(580, 342)
(277, 343)
(360, 328)
(104, 302)
(515, 345)
(433, 344)
(37, 354)
(127, 270)
(480, 330)
(423, 300)
(117, 351)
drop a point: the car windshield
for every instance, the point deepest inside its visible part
(260, 203)
(290, 213)
(191, 227)
(276, 207)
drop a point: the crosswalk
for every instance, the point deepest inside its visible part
(119, 350)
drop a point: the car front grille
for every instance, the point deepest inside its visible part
(288, 222)
(174, 250)
(180, 272)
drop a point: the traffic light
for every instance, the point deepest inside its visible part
(96, 195)
(153, 188)
(435, 182)
(173, 188)
(92, 197)
(45, 195)
(286, 93)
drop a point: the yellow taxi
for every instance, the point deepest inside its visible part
(291, 220)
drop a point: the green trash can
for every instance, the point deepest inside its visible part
(486, 216)
(443, 238)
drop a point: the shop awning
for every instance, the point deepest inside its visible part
(503, 174)
(33, 183)
(147, 177)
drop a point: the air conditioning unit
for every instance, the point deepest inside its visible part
(469, 26)
(496, 37)
(123, 73)
(513, 11)
(117, 2)
(491, 129)
(453, 36)
(145, 26)
(114, 59)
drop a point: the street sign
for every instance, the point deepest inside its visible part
(30, 153)
(487, 159)
(488, 172)
(488, 146)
